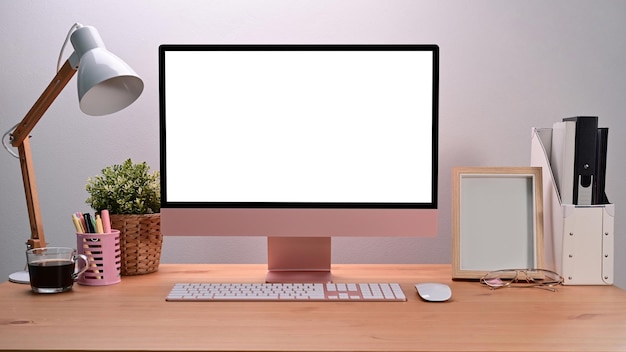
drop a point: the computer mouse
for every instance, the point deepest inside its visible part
(434, 291)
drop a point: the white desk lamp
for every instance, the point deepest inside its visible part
(106, 84)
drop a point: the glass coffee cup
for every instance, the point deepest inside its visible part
(54, 269)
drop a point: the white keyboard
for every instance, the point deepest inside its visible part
(362, 292)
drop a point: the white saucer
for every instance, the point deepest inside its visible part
(20, 277)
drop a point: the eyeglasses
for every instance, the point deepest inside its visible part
(539, 278)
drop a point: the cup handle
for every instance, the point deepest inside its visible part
(84, 268)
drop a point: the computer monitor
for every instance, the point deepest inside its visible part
(299, 143)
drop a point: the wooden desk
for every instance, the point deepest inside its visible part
(134, 315)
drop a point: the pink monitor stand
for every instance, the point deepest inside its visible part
(298, 259)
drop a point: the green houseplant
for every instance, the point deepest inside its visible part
(127, 188)
(132, 195)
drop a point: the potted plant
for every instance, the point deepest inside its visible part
(132, 195)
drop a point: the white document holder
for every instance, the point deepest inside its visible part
(578, 238)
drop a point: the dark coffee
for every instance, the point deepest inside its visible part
(51, 273)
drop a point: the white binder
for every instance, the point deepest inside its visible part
(578, 238)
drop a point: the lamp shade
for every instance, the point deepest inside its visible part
(106, 84)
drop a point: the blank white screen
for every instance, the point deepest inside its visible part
(299, 126)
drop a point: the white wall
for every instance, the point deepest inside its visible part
(505, 67)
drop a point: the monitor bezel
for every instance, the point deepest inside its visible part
(434, 49)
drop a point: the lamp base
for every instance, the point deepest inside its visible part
(20, 277)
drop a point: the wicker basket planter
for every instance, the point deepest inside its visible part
(140, 242)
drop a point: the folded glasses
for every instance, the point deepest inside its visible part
(539, 278)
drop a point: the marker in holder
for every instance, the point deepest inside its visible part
(104, 254)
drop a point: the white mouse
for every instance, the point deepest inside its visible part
(433, 291)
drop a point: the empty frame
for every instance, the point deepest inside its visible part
(497, 220)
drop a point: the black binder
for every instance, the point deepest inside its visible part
(599, 194)
(585, 162)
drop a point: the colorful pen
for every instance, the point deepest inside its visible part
(81, 218)
(99, 228)
(106, 221)
(89, 225)
(77, 224)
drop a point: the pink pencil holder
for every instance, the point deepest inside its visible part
(103, 251)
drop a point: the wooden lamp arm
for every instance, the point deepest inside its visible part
(19, 139)
(42, 104)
